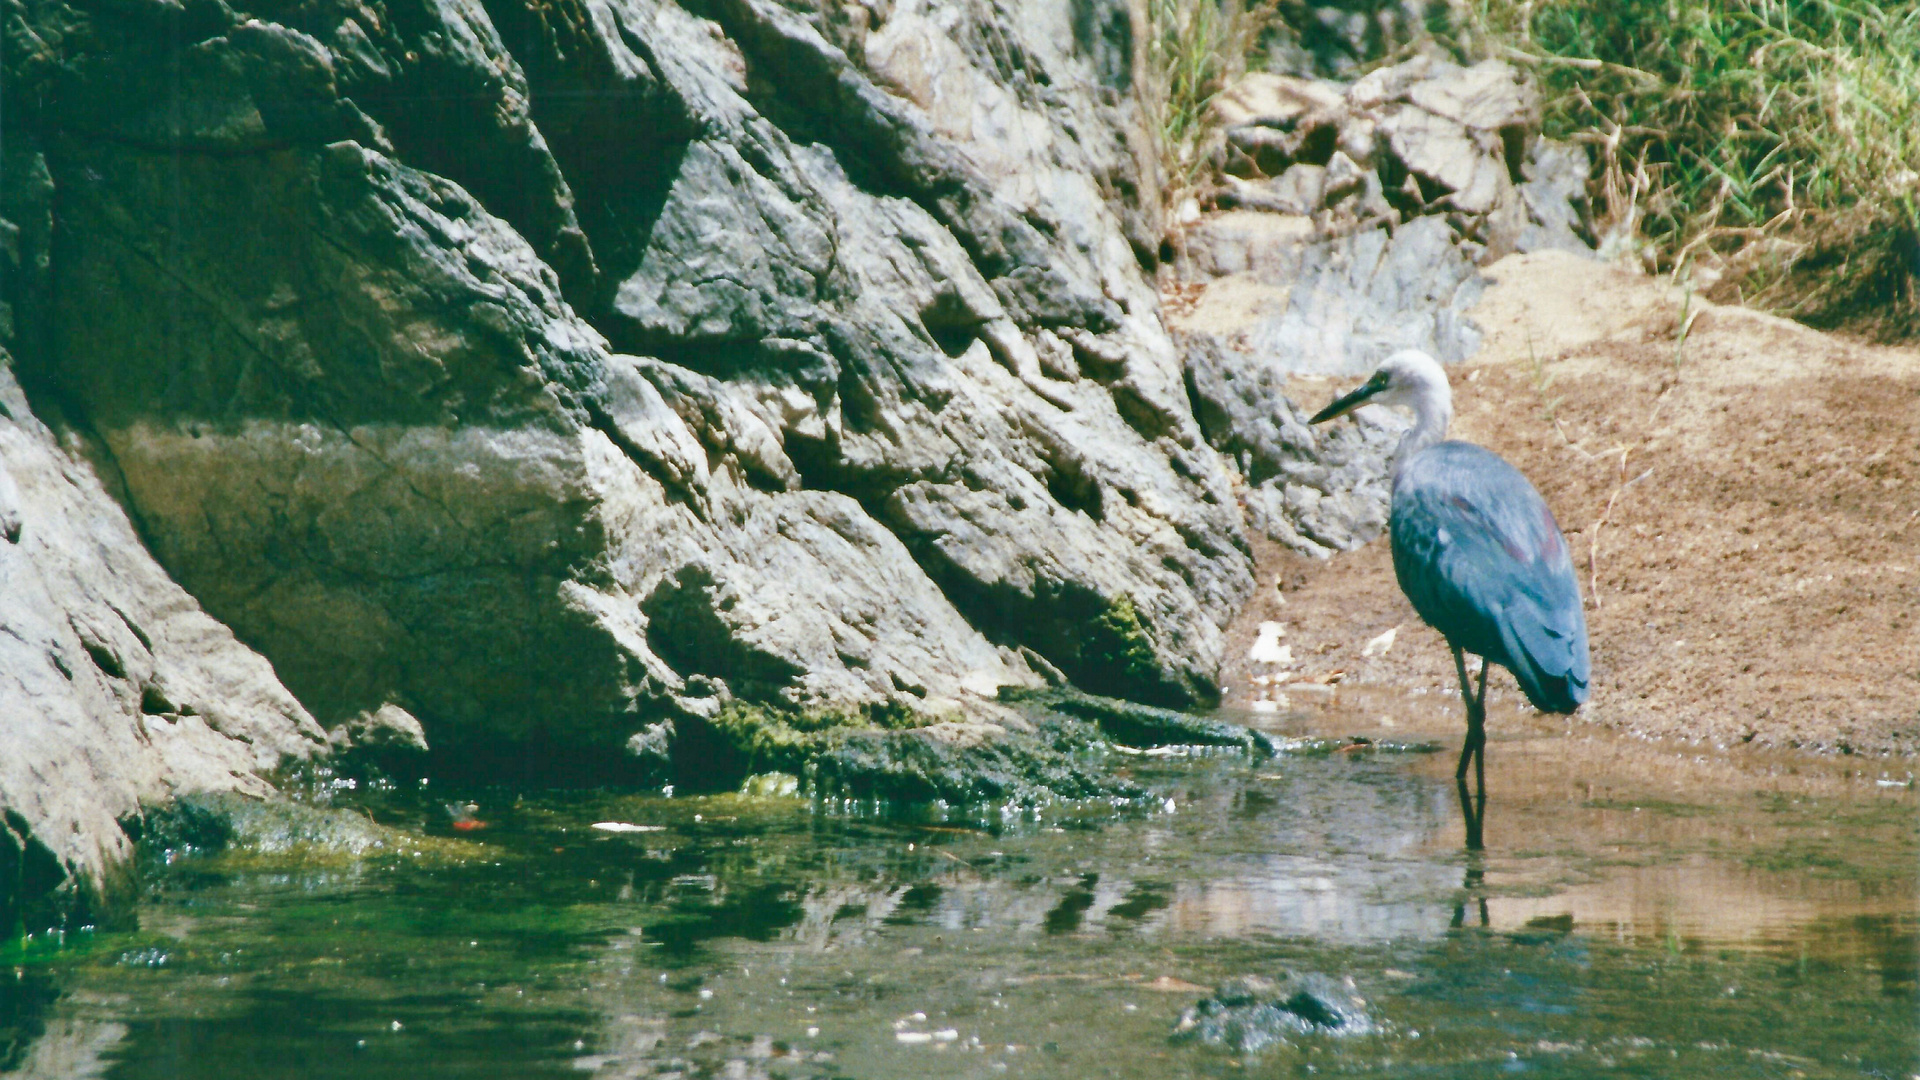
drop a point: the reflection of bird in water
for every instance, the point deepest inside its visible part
(1478, 553)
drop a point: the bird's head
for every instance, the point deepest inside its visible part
(1406, 378)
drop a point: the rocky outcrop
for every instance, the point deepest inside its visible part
(116, 689)
(562, 375)
(1348, 222)
(552, 386)
(1356, 215)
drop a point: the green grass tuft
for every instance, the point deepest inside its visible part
(1775, 141)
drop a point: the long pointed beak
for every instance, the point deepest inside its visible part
(1345, 404)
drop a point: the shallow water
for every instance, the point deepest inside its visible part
(1636, 910)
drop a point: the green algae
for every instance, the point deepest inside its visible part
(1137, 725)
(908, 757)
(242, 829)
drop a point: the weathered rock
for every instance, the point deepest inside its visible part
(1408, 180)
(1285, 102)
(1330, 305)
(666, 357)
(1314, 490)
(115, 688)
(386, 730)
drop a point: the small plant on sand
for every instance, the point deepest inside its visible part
(1776, 142)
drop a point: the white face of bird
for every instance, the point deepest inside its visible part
(1405, 378)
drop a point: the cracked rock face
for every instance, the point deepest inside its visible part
(547, 372)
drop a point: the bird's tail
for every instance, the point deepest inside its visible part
(1549, 661)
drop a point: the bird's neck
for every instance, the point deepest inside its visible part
(1431, 415)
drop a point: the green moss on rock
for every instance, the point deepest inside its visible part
(1120, 652)
(225, 823)
(1133, 724)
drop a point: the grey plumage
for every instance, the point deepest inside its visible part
(1478, 553)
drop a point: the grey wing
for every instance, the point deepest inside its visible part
(1481, 558)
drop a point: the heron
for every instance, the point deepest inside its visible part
(1477, 551)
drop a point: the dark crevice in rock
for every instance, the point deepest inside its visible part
(1070, 485)
(618, 134)
(687, 627)
(154, 702)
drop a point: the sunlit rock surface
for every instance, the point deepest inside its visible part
(115, 687)
(550, 372)
(565, 376)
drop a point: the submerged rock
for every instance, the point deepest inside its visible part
(210, 823)
(1136, 725)
(1254, 1013)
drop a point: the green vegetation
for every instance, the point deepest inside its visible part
(1119, 651)
(1776, 140)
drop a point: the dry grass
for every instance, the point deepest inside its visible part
(1195, 49)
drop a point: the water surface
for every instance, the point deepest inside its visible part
(1635, 911)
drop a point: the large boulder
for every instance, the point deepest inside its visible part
(560, 375)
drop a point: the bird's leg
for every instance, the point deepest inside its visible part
(1479, 734)
(1473, 811)
(1473, 722)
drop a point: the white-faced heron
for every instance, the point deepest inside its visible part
(1478, 553)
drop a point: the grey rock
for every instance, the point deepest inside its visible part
(1302, 189)
(1344, 178)
(386, 729)
(1555, 193)
(1434, 170)
(1254, 1013)
(1314, 490)
(788, 359)
(116, 689)
(1338, 304)
(1460, 164)
(1284, 102)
